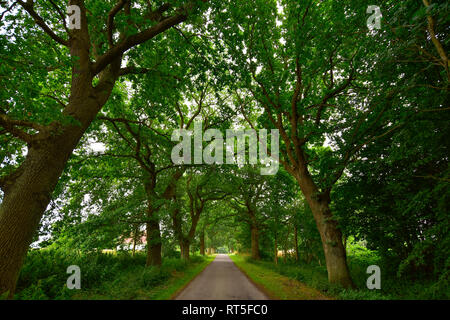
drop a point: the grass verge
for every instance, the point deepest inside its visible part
(144, 285)
(277, 286)
(295, 280)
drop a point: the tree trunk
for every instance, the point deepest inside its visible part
(153, 244)
(344, 243)
(276, 250)
(330, 234)
(28, 191)
(202, 243)
(255, 242)
(152, 225)
(135, 239)
(184, 244)
(296, 242)
(26, 196)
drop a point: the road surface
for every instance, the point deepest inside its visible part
(221, 280)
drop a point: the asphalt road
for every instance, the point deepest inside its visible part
(221, 280)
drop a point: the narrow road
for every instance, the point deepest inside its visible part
(221, 280)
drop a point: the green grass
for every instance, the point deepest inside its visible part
(273, 278)
(150, 283)
(104, 276)
(275, 284)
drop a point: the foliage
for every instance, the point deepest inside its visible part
(362, 115)
(44, 276)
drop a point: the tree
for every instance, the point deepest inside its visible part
(393, 195)
(257, 198)
(96, 54)
(314, 87)
(200, 189)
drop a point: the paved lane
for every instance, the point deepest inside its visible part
(221, 280)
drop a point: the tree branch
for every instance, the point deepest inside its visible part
(28, 6)
(110, 24)
(140, 37)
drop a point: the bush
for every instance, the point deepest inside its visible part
(44, 276)
(153, 276)
(174, 264)
(44, 272)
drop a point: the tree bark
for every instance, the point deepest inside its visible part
(23, 204)
(135, 239)
(255, 242)
(134, 248)
(276, 250)
(153, 244)
(296, 242)
(185, 244)
(202, 243)
(286, 246)
(344, 243)
(330, 234)
(153, 230)
(28, 193)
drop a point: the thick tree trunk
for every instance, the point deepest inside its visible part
(344, 243)
(330, 234)
(153, 244)
(334, 251)
(28, 192)
(202, 243)
(255, 242)
(184, 244)
(23, 204)
(26, 196)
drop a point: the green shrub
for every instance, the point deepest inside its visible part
(174, 264)
(153, 276)
(44, 276)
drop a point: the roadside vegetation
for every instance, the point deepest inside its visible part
(104, 276)
(292, 280)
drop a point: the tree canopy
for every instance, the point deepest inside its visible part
(88, 115)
